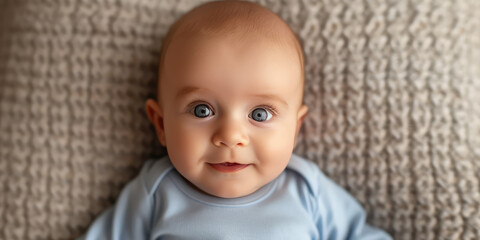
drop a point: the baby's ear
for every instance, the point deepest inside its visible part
(155, 115)
(302, 113)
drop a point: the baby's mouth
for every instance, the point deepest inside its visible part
(228, 167)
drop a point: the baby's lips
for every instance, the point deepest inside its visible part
(228, 167)
(230, 163)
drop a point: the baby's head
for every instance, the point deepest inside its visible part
(230, 97)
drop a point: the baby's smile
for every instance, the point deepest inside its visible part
(228, 167)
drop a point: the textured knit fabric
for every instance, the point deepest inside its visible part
(392, 87)
(301, 203)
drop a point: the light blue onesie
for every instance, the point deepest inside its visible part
(301, 203)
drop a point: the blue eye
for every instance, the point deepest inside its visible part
(202, 111)
(260, 115)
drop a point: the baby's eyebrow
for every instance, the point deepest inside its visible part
(187, 90)
(272, 97)
(190, 89)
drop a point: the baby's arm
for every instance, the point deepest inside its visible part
(340, 216)
(130, 217)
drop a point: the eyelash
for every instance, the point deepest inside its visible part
(272, 109)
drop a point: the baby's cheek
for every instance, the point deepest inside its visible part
(274, 150)
(280, 139)
(187, 142)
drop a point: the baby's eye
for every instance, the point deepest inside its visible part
(202, 111)
(261, 114)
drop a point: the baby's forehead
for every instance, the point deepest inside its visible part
(219, 56)
(251, 46)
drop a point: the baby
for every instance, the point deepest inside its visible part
(229, 111)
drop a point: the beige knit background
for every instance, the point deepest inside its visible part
(393, 89)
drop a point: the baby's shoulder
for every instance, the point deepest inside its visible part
(154, 171)
(320, 186)
(310, 174)
(307, 170)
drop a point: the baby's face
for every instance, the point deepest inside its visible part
(231, 112)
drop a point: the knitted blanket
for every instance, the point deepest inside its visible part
(393, 89)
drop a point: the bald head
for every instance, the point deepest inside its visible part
(237, 20)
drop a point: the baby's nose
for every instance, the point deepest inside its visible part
(230, 134)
